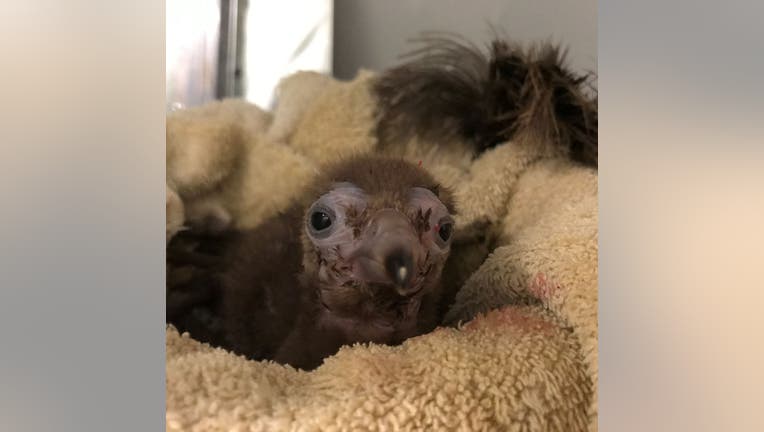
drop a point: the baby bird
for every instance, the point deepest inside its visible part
(358, 259)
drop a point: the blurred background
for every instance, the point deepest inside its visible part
(242, 48)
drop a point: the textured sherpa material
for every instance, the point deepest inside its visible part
(528, 362)
(516, 368)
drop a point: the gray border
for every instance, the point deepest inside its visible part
(681, 207)
(82, 224)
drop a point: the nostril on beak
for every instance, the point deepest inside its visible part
(400, 266)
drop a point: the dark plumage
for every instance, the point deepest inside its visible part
(357, 259)
(450, 88)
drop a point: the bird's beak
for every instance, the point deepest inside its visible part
(389, 252)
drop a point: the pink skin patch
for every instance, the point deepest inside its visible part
(518, 317)
(543, 288)
(352, 256)
(342, 243)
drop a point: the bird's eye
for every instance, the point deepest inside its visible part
(445, 231)
(320, 221)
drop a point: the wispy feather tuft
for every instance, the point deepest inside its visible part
(451, 88)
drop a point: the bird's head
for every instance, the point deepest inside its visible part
(377, 233)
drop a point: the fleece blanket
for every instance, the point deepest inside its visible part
(518, 347)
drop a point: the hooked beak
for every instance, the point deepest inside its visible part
(390, 251)
(400, 266)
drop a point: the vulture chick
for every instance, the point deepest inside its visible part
(358, 259)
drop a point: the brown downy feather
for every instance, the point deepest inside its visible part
(260, 292)
(450, 88)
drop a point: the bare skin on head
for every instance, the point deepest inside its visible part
(358, 260)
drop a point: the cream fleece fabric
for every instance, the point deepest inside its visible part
(528, 362)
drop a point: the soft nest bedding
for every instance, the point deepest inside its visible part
(518, 348)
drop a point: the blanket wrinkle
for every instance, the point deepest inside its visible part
(404, 384)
